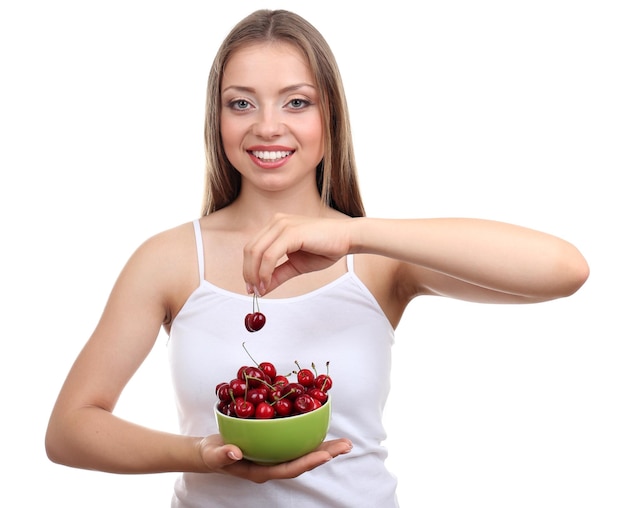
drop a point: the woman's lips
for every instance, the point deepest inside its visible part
(270, 158)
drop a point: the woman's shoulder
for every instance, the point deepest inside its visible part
(168, 260)
(172, 238)
(165, 251)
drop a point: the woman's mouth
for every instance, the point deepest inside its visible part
(271, 156)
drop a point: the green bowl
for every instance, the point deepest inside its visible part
(278, 439)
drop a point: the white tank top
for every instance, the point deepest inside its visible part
(340, 323)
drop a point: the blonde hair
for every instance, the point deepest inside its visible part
(336, 174)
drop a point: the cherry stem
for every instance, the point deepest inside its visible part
(282, 397)
(327, 372)
(327, 375)
(255, 303)
(243, 345)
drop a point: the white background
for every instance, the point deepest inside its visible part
(507, 110)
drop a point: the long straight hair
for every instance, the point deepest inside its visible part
(336, 174)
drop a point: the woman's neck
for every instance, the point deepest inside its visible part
(260, 208)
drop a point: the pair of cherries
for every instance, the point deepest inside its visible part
(254, 320)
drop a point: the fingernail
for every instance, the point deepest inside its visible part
(262, 288)
(231, 455)
(249, 289)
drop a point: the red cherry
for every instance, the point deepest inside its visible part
(255, 320)
(323, 382)
(229, 409)
(243, 408)
(306, 377)
(265, 390)
(223, 406)
(254, 376)
(269, 370)
(281, 380)
(255, 396)
(238, 387)
(283, 407)
(246, 322)
(264, 411)
(223, 392)
(292, 390)
(318, 394)
(275, 394)
(240, 372)
(220, 386)
(304, 403)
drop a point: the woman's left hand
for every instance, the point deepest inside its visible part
(304, 245)
(227, 459)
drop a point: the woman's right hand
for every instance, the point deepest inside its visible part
(228, 459)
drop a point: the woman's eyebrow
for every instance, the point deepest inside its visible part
(248, 89)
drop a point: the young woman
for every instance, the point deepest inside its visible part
(282, 218)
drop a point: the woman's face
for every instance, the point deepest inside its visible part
(271, 122)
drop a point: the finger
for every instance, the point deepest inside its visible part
(282, 273)
(232, 454)
(217, 455)
(276, 251)
(253, 253)
(262, 254)
(336, 447)
(323, 454)
(296, 264)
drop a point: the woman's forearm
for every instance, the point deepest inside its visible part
(93, 438)
(490, 254)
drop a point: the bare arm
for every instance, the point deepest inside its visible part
(513, 263)
(473, 259)
(83, 432)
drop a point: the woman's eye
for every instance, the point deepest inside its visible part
(298, 103)
(239, 104)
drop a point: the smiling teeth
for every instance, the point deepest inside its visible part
(270, 156)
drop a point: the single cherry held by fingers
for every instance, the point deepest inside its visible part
(255, 320)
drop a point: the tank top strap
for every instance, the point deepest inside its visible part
(350, 262)
(199, 248)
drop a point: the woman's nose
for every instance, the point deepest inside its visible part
(268, 124)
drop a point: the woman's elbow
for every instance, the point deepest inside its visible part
(55, 443)
(52, 449)
(574, 272)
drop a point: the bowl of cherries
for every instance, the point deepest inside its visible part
(271, 418)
